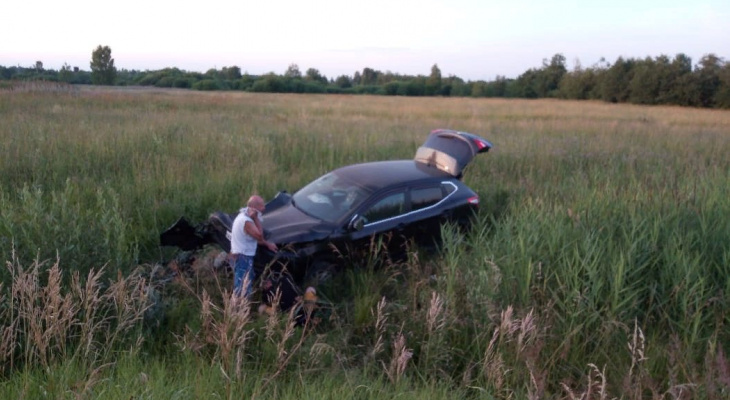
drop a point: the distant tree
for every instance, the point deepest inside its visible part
(527, 84)
(245, 83)
(5, 73)
(369, 76)
(356, 78)
(677, 86)
(39, 66)
(64, 75)
(183, 83)
(550, 76)
(387, 77)
(543, 82)
(212, 73)
(313, 87)
(614, 83)
(103, 71)
(206, 85)
(392, 88)
(293, 72)
(498, 87)
(433, 83)
(343, 81)
(644, 83)
(578, 84)
(313, 75)
(708, 79)
(722, 97)
(231, 73)
(165, 82)
(270, 82)
(455, 87)
(415, 86)
(479, 89)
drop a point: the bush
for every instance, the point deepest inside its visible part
(182, 83)
(85, 228)
(369, 89)
(314, 87)
(206, 84)
(166, 82)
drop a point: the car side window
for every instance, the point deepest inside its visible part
(388, 207)
(424, 197)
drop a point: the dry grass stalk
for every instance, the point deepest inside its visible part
(528, 332)
(44, 312)
(7, 335)
(129, 296)
(518, 337)
(90, 300)
(84, 389)
(51, 322)
(435, 318)
(380, 319)
(595, 386)
(273, 316)
(281, 349)
(508, 325)
(206, 312)
(493, 363)
(636, 348)
(284, 355)
(224, 327)
(399, 359)
(717, 380)
(318, 351)
(58, 312)
(231, 333)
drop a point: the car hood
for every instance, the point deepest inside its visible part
(286, 224)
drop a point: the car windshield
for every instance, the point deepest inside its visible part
(330, 198)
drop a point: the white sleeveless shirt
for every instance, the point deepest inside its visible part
(242, 242)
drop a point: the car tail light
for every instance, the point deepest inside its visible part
(474, 200)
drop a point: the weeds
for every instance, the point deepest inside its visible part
(45, 322)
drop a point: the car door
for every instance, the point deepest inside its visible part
(384, 218)
(426, 212)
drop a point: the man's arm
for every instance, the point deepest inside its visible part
(255, 231)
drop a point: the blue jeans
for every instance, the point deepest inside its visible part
(243, 269)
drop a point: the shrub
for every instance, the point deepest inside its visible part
(206, 84)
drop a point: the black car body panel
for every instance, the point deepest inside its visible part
(343, 211)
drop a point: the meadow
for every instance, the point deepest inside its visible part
(598, 266)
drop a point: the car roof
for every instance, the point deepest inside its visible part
(380, 174)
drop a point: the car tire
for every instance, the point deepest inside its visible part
(320, 271)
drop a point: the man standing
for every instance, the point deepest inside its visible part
(246, 234)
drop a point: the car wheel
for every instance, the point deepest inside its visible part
(320, 271)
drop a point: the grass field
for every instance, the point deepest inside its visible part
(599, 266)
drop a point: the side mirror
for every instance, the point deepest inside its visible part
(357, 223)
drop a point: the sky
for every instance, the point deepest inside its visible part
(471, 39)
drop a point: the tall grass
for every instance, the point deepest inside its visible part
(598, 267)
(86, 321)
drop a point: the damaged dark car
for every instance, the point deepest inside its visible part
(345, 211)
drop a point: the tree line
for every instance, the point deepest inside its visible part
(658, 80)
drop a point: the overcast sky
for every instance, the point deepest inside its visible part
(472, 39)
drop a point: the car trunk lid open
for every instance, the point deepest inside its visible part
(451, 151)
